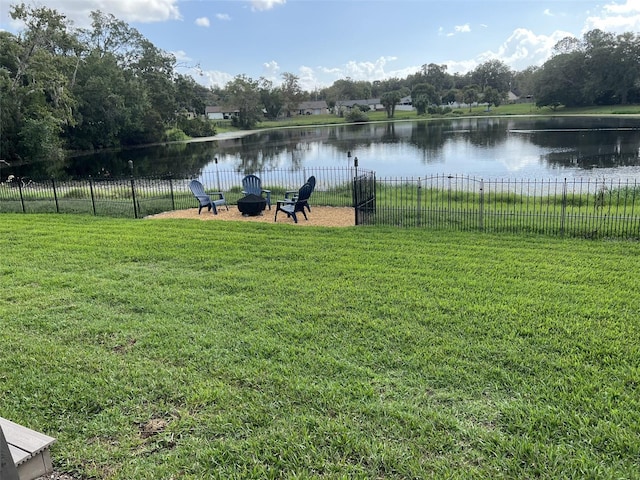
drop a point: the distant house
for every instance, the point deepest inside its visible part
(405, 104)
(513, 98)
(345, 106)
(317, 107)
(219, 113)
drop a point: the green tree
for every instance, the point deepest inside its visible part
(148, 71)
(110, 36)
(348, 89)
(613, 66)
(35, 98)
(155, 68)
(190, 95)
(449, 96)
(471, 94)
(243, 93)
(389, 100)
(422, 96)
(437, 76)
(388, 85)
(101, 114)
(523, 81)
(494, 74)
(561, 81)
(291, 92)
(491, 96)
(272, 98)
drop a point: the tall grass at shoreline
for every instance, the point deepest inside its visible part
(186, 349)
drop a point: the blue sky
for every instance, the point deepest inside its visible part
(321, 41)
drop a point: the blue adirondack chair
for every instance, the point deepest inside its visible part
(204, 198)
(291, 195)
(291, 207)
(252, 184)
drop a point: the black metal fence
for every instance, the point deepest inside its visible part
(138, 197)
(577, 207)
(364, 198)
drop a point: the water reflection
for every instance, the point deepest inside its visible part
(531, 147)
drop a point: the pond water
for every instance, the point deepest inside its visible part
(513, 147)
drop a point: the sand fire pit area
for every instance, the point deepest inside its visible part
(319, 216)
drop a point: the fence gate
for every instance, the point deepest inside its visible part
(364, 198)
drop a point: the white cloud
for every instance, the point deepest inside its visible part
(524, 48)
(320, 77)
(271, 70)
(462, 67)
(181, 56)
(616, 17)
(466, 28)
(631, 6)
(213, 78)
(261, 5)
(223, 16)
(367, 70)
(202, 22)
(547, 12)
(308, 80)
(143, 11)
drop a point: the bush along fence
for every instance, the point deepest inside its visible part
(578, 207)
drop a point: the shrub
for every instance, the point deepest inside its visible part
(356, 115)
(197, 127)
(176, 135)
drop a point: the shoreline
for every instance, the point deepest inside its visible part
(243, 133)
(234, 135)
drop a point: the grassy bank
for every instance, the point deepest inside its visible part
(187, 349)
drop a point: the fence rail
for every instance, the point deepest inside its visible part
(577, 207)
(138, 197)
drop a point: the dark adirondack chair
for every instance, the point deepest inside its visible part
(291, 207)
(204, 198)
(291, 195)
(253, 185)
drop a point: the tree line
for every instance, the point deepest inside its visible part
(65, 89)
(107, 86)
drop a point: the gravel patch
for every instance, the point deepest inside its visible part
(319, 216)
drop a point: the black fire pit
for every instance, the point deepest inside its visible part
(252, 204)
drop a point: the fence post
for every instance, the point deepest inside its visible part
(481, 210)
(133, 197)
(173, 200)
(419, 212)
(375, 194)
(355, 198)
(93, 200)
(55, 194)
(24, 210)
(564, 207)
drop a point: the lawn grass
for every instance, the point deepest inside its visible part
(188, 349)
